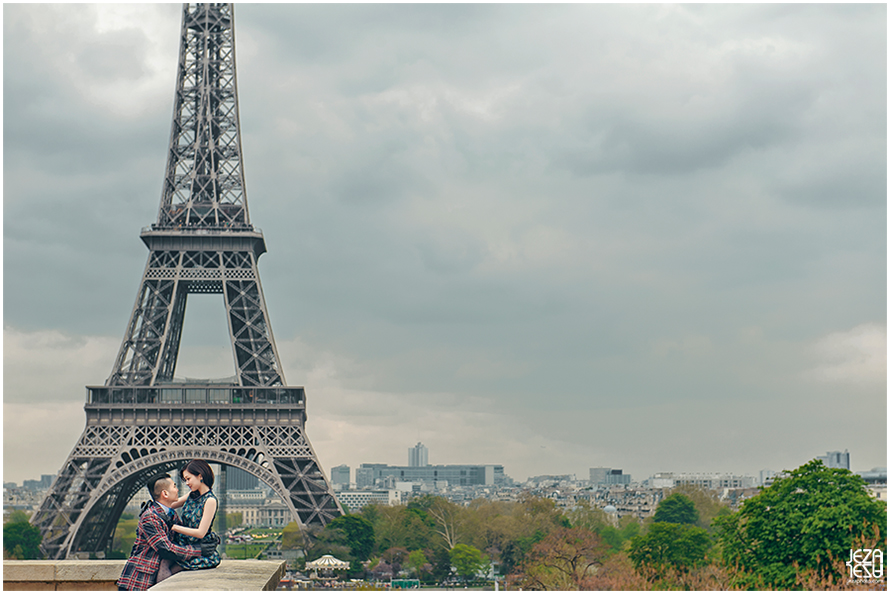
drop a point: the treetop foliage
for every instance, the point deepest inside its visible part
(19, 516)
(468, 561)
(358, 534)
(21, 540)
(291, 538)
(665, 546)
(708, 504)
(588, 516)
(676, 508)
(808, 520)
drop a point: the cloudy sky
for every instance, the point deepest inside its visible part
(550, 237)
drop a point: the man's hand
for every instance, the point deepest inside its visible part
(207, 549)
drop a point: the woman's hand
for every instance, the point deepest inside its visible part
(177, 528)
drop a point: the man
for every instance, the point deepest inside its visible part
(153, 538)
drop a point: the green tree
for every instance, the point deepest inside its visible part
(400, 526)
(19, 516)
(234, 519)
(418, 563)
(291, 537)
(588, 516)
(21, 540)
(708, 504)
(468, 561)
(395, 556)
(123, 538)
(628, 527)
(359, 534)
(371, 512)
(807, 521)
(536, 507)
(442, 564)
(676, 508)
(508, 530)
(669, 546)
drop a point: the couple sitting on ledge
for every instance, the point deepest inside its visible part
(166, 544)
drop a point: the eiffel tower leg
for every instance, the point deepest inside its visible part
(56, 515)
(256, 359)
(170, 349)
(150, 348)
(97, 534)
(310, 497)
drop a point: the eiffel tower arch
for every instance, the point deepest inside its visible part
(143, 421)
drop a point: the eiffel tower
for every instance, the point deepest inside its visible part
(142, 422)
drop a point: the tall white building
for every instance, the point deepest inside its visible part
(417, 456)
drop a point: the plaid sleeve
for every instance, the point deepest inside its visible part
(156, 536)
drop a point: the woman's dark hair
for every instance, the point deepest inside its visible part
(199, 467)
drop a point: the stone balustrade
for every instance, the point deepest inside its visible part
(100, 575)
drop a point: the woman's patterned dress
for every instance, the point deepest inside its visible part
(190, 516)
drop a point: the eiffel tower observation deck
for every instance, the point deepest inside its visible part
(143, 421)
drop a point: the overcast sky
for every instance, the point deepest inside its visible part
(552, 237)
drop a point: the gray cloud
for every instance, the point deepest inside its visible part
(512, 213)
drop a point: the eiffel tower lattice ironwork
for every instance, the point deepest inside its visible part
(142, 422)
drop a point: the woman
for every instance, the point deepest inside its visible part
(199, 508)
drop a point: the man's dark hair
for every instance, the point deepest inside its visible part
(155, 485)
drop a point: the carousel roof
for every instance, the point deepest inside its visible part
(327, 561)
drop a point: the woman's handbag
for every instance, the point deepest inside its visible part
(210, 540)
(208, 545)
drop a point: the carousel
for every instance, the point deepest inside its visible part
(325, 566)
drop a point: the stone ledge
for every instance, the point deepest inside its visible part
(230, 575)
(29, 570)
(100, 575)
(61, 575)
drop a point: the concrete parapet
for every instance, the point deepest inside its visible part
(100, 575)
(230, 575)
(61, 575)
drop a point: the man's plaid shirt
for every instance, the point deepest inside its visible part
(152, 542)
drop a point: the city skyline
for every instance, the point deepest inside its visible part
(671, 247)
(343, 474)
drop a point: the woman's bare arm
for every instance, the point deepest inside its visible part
(210, 507)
